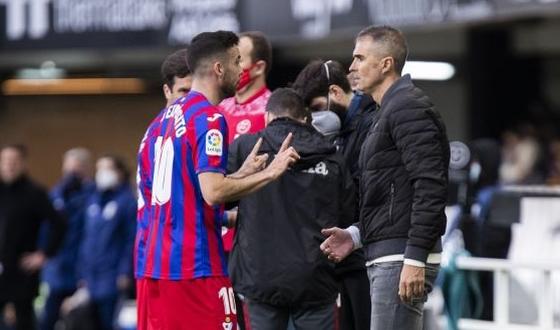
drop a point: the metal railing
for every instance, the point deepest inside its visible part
(502, 269)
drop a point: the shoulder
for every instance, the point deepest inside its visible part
(244, 143)
(207, 118)
(408, 104)
(227, 105)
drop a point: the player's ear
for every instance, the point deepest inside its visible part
(167, 91)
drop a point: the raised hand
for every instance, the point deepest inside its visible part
(285, 157)
(253, 163)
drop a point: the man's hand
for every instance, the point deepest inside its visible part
(286, 156)
(33, 262)
(411, 284)
(253, 163)
(338, 244)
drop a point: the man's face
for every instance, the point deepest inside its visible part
(181, 86)
(366, 65)
(12, 165)
(232, 72)
(245, 49)
(320, 103)
(75, 166)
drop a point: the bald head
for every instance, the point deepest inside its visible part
(388, 41)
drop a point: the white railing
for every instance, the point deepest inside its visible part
(502, 269)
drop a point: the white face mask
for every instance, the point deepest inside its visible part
(326, 122)
(106, 179)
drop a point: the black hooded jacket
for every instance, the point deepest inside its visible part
(276, 257)
(403, 187)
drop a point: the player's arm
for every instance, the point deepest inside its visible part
(217, 188)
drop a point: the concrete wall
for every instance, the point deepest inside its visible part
(49, 125)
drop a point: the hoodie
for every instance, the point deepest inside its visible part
(276, 257)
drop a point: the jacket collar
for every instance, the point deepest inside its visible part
(401, 83)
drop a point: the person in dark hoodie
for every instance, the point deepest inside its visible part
(276, 263)
(324, 85)
(403, 186)
(24, 207)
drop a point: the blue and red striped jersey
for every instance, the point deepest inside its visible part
(178, 233)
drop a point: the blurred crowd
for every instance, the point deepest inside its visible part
(76, 240)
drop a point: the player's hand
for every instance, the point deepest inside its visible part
(33, 262)
(411, 284)
(285, 157)
(253, 163)
(338, 245)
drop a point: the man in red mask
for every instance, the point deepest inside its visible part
(245, 112)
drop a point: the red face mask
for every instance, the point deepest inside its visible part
(245, 78)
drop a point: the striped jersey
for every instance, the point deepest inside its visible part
(178, 233)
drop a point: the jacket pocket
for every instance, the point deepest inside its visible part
(391, 202)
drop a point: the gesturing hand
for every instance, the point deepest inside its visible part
(338, 244)
(286, 156)
(253, 163)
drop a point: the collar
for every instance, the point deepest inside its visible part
(402, 82)
(353, 109)
(260, 92)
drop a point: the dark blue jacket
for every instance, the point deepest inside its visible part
(69, 199)
(107, 247)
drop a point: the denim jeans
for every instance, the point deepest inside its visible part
(388, 312)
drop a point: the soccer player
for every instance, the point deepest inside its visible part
(180, 265)
(177, 77)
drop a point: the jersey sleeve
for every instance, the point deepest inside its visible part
(210, 145)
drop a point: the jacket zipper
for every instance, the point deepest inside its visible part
(391, 202)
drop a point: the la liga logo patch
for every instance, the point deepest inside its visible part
(214, 143)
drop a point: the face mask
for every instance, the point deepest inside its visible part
(245, 78)
(106, 179)
(326, 122)
(71, 182)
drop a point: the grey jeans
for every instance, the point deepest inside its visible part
(388, 312)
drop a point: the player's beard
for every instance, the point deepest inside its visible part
(229, 86)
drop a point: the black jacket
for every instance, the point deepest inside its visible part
(23, 208)
(276, 257)
(354, 130)
(403, 189)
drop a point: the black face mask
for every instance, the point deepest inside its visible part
(71, 184)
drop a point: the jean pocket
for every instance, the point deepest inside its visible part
(432, 269)
(388, 265)
(416, 305)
